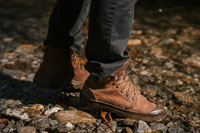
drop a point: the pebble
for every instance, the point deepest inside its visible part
(126, 122)
(52, 110)
(175, 130)
(98, 121)
(69, 126)
(127, 130)
(113, 126)
(81, 125)
(184, 97)
(61, 130)
(40, 122)
(103, 128)
(16, 114)
(91, 127)
(143, 127)
(158, 127)
(194, 60)
(53, 122)
(119, 129)
(27, 129)
(73, 117)
(37, 107)
(6, 130)
(146, 73)
(134, 42)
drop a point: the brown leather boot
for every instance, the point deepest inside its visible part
(60, 67)
(117, 94)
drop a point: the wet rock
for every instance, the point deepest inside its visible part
(27, 129)
(52, 110)
(40, 122)
(16, 114)
(143, 127)
(73, 117)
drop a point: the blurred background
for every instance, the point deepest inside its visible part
(164, 46)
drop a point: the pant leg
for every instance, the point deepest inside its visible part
(110, 25)
(65, 24)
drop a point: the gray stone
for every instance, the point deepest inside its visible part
(16, 114)
(69, 126)
(81, 125)
(98, 121)
(53, 122)
(175, 130)
(3, 107)
(40, 122)
(91, 127)
(113, 126)
(61, 130)
(158, 127)
(6, 130)
(143, 127)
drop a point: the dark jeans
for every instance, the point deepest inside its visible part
(110, 23)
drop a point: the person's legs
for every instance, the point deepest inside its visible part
(109, 87)
(65, 24)
(60, 65)
(109, 27)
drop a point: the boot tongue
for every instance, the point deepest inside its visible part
(120, 73)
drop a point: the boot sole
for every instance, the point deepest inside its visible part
(121, 112)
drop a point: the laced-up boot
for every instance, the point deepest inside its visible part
(60, 67)
(117, 94)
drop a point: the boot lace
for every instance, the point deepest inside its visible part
(75, 61)
(126, 87)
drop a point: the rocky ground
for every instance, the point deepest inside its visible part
(165, 62)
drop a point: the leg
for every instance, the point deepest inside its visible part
(109, 88)
(109, 28)
(65, 24)
(60, 65)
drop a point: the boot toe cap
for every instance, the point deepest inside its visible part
(158, 110)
